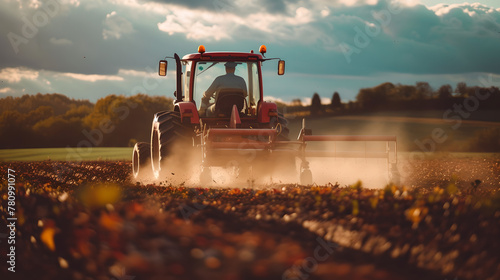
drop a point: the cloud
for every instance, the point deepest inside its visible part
(5, 90)
(16, 75)
(471, 9)
(60, 42)
(198, 25)
(81, 86)
(105, 46)
(92, 78)
(136, 73)
(228, 23)
(37, 4)
(115, 26)
(214, 5)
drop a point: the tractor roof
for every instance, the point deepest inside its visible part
(224, 56)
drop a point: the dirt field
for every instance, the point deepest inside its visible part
(88, 220)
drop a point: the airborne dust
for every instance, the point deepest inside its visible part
(249, 169)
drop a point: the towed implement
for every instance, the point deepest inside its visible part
(220, 119)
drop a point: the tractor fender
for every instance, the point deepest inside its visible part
(187, 110)
(266, 110)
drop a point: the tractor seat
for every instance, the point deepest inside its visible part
(228, 97)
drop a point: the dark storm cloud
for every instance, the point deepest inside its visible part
(73, 41)
(415, 39)
(215, 5)
(270, 6)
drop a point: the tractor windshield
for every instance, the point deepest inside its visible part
(217, 82)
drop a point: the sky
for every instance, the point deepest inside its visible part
(93, 48)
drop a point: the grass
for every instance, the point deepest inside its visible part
(126, 154)
(66, 154)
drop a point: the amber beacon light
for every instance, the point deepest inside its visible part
(263, 49)
(201, 49)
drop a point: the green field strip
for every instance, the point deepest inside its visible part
(65, 154)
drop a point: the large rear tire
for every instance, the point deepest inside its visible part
(141, 160)
(170, 136)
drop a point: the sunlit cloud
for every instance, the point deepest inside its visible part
(60, 42)
(197, 24)
(5, 90)
(471, 9)
(16, 74)
(137, 73)
(92, 78)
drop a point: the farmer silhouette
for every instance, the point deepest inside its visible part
(227, 81)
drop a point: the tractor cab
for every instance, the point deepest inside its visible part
(212, 83)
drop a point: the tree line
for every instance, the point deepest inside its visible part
(54, 120)
(392, 97)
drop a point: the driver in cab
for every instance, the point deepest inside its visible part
(229, 80)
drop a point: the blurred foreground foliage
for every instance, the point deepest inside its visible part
(54, 120)
(88, 220)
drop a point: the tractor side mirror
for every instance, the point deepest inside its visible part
(162, 69)
(281, 67)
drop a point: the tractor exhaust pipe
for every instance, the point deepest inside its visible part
(178, 93)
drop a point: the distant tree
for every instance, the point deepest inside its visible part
(374, 98)
(351, 106)
(444, 92)
(78, 112)
(336, 103)
(406, 92)
(58, 131)
(297, 102)
(27, 103)
(315, 104)
(472, 90)
(445, 98)
(424, 90)
(39, 114)
(127, 117)
(14, 130)
(365, 97)
(461, 89)
(54, 120)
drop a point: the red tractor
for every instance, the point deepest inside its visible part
(221, 118)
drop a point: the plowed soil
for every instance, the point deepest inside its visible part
(89, 220)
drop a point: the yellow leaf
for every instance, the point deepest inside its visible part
(451, 189)
(374, 201)
(355, 207)
(47, 236)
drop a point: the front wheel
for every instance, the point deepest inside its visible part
(141, 160)
(169, 137)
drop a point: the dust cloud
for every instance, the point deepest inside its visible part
(244, 169)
